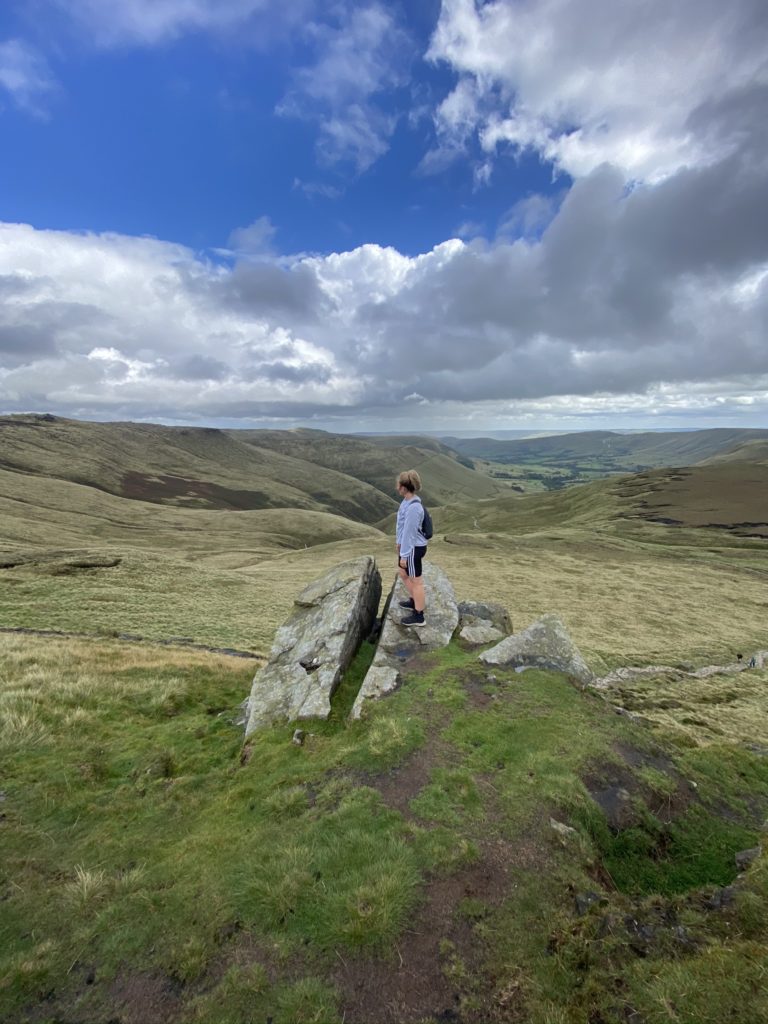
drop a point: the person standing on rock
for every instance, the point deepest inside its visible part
(411, 546)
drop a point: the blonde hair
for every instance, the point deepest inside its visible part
(410, 480)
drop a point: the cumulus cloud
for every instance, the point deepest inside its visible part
(26, 77)
(584, 82)
(626, 298)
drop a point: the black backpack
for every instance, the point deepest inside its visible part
(426, 524)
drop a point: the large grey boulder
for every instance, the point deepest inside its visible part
(333, 615)
(545, 644)
(398, 644)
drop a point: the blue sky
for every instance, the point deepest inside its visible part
(187, 141)
(446, 215)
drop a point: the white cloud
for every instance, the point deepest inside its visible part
(152, 22)
(256, 239)
(583, 82)
(357, 61)
(636, 313)
(26, 76)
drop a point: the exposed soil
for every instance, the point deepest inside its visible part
(413, 983)
(143, 998)
(612, 786)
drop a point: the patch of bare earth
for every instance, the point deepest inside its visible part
(415, 982)
(132, 997)
(139, 997)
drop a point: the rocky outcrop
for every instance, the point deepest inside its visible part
(316, 644)
(483, 622)
(399, 643)
(545, 644)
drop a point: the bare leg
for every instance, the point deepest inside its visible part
(408, 582)
(417, 593)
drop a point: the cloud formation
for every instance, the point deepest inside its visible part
(641, 288)
(585, 82)
(152, 22)
(26, 77)
(357, 60)
(660, 292)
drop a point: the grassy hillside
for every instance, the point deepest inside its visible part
(748, 451)
(403, 868)
(78, 559)
(189, 467)
(630, 588)
(378, 464)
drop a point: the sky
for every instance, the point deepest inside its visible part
(444, 215)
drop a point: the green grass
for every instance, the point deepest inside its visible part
(140, 842)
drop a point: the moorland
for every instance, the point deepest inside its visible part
(402, 868)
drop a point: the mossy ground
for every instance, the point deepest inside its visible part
(154, 869)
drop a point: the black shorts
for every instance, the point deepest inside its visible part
(413, 561)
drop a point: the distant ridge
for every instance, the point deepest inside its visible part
(614, 451)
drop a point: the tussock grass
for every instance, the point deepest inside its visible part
(717, 709)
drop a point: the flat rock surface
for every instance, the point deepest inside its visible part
(544, 644)
(399, 643)
(313, 647)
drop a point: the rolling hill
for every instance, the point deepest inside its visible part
(236, 470)
(378, 463)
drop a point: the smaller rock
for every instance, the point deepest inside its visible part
(491, 678)
(585, 900)
(608, 923)
(379, 681)
(483, 633)
(721, 899)
(298, 737)
(624, 712)
(745, 857)
(473, 613)
(562, 830)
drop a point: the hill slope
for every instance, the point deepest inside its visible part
(378, 463)
(192, 467)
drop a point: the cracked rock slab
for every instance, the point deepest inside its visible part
(311, 650)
